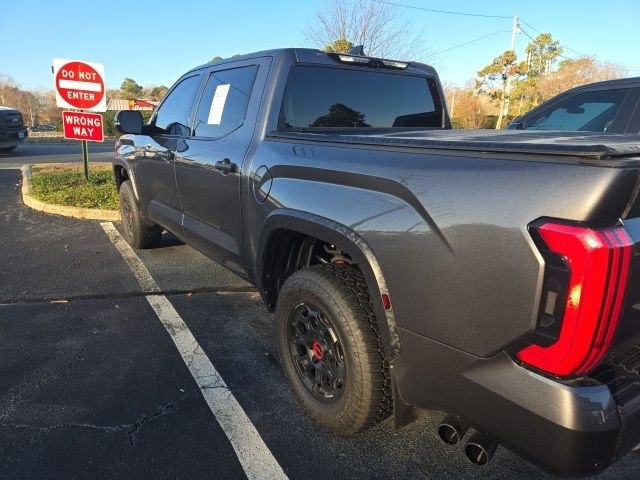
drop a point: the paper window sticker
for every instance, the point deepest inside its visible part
(217, 104)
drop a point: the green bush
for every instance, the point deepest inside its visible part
(108, 122)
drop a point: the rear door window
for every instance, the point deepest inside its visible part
(224, 102)
(587, 112)
(328, 97)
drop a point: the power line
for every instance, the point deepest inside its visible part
(448, 12)
(467, 14)
(535, 41)
(472, 41)
(562, 45)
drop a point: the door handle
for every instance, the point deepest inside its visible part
(226, 167)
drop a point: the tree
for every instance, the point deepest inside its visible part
(572, 73)
(534, 89)
(502, 69)
(341, 45)
(154, 92)
(341, 116)
(158, 93)
(380, 27)
(8, 87)
(217, 58)
(130, 89)
(542, 54)
(467, 108)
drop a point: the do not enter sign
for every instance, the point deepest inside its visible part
(79, 85)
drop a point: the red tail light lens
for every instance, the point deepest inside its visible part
(599, 262)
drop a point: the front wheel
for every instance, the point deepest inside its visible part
(136, 231)
(330, 350)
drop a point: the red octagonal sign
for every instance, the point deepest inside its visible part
(79, 85)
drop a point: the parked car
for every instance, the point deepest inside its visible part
(43, 128)
(489, 275)
(12, 129)
(608, 107)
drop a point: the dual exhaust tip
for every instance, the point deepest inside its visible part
(480, 447)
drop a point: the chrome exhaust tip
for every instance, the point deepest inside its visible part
(480, 448)
(452, 429)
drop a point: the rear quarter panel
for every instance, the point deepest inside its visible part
(449, 231)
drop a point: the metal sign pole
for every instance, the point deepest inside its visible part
(85, 159)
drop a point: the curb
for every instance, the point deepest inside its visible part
(65, 211)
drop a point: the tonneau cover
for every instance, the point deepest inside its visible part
(581, 144)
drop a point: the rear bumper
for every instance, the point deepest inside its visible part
(571, 428)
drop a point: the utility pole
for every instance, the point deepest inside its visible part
(504, 106)
(453, 102)
(514, 30)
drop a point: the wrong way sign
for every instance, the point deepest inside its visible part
(82, 126)
(79, 85)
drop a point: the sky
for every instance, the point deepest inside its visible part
(154, 42)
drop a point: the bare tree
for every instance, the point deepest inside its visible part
(8, 86)
(383, 30)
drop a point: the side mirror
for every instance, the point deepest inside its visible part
(129, 121)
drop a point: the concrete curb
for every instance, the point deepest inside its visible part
(75, 212)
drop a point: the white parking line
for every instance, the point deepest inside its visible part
(253, 454)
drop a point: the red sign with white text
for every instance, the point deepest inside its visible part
(82, 126)
(79, 85)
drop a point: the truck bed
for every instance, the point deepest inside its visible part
(582, 145)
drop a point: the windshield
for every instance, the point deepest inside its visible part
(590, 112)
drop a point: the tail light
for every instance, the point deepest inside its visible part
(584, 288)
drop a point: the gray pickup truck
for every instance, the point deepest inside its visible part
(492, 276)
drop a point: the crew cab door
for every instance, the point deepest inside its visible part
(209, 170)
(156, 150)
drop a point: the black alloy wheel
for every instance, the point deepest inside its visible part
(331, 353)
(317, 352)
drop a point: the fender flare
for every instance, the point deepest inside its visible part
(121, 162)
(348, 241)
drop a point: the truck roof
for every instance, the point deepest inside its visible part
(613, 83)
(309, 55)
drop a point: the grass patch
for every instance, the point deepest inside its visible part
(66, 185)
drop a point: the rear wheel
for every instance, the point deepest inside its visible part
(330, 349)
(136, 231)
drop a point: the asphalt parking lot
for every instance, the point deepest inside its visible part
(99, 379)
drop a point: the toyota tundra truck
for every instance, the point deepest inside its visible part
(490, 276)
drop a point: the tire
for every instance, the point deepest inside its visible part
(326, 328)
(136, 231)
(8, 149)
